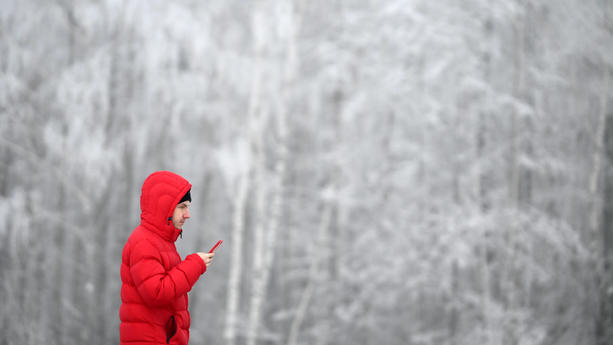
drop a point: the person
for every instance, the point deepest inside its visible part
(155, 281)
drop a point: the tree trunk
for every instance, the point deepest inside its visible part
(259, 245)
(101, 253)
(79, 282)
(60, 268)
(317, 258)
(604, 321)
(266, 232)
(485, 204)
(236, 259)
(482, 175)
(515, 183)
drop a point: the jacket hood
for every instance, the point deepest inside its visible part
(160, 194)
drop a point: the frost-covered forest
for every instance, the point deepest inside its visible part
(381, 172)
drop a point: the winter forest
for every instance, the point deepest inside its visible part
(381, 172)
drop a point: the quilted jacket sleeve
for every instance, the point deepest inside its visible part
(154, 284)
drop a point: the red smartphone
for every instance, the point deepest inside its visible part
(215, 246)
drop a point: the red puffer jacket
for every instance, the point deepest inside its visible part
(155, 281)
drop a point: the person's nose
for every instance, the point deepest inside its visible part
(186, 215)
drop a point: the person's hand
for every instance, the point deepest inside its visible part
(206, 257)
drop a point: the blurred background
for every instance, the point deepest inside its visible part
(381, 172)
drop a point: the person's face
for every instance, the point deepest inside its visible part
(181, 214)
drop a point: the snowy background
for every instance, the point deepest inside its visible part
(381, 172)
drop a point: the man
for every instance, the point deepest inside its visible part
(155, 281)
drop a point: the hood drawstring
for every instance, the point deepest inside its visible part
(181, 234)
